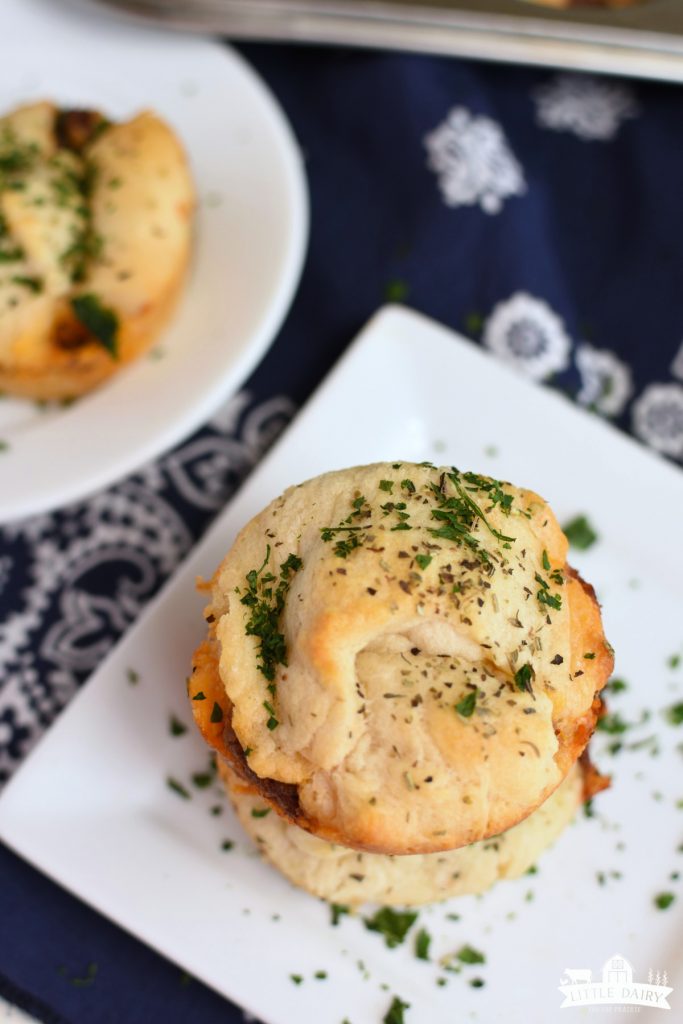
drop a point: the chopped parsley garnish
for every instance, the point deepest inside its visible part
(394, 1014)
(176, 727)
(467, 704)
(617, 685)
(99, 320)
(470, 955)
(132, 676)
(227, 845)
(83, 981)
(422, 942)
(674, 714)
(202, 779)
(338, 910)
(477, 982)
(543, 596)
(216, 712)
(459, 513)
(396, 291)
(272, 722)
(589, 655)
(408, 485)
(546, 561)
(265, 598)
(394, 925)
(320, 975)
(296, 978)
(663, 900)
(423, 561)
(580, 533)
(524, 677)
(260, 812)
(386, 485)
(178, 788)
(613, 724)
(356, 537)
(674, 661)
(34, 284)
(200, 695)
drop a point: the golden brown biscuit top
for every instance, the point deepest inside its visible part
(405, 645)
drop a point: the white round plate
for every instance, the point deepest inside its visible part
(251, 232)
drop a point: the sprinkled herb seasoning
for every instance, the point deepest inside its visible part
(176, 727)
(613, 724)
(470, 955)
(394, 925)
(394, 1014)
(580, 533)
(663, 900)
(260, 812)
(227, 845)
(200, 695)
(101, 322)
(337, 911)
(467, 704)
(422, 942)
(524, 677)
(674, 714)
(216, 713)
(423, 561)
(178, 788)
(355, 536)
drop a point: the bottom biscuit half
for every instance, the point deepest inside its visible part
(341, 875)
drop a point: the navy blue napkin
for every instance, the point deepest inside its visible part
(538, 212)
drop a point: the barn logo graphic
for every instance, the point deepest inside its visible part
(616, 986)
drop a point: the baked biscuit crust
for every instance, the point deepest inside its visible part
(345, 876)
(95, 237)
(402, 657)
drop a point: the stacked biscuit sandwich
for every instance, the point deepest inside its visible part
(401, 676)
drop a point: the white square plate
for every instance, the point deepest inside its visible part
(92, 808)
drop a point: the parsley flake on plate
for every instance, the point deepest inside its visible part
(394, 1014)
(580, 533)
(394, 925)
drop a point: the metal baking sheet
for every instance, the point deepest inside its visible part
(643, 40)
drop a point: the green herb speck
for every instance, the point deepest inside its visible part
(394, 1014)
(176, 727)
(422, 942)
(394, 925)
(580, 533)
(470, 955)
(467, 704)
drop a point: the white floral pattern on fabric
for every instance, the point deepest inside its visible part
(525, 333)
(658, 418)
(72, 582)
(473, 161)
(677, 365)
(606, 381)
(591, 108)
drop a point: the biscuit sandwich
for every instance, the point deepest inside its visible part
(95, 238)
(400, 663)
